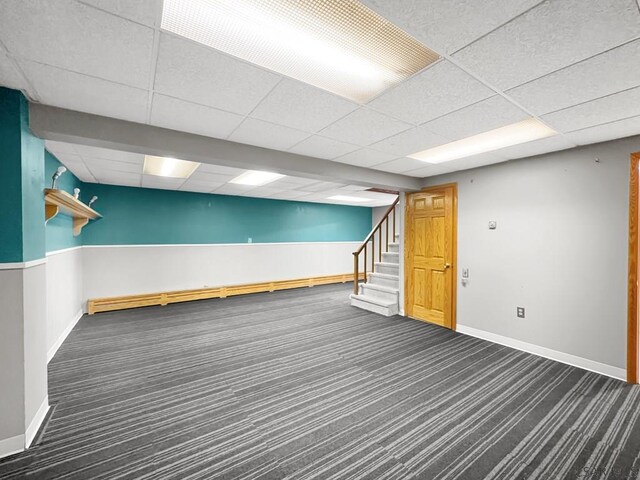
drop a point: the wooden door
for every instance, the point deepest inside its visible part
(430, 253)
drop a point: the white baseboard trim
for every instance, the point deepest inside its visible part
(580, 362)
(33, 427)
(52, 351)
(11, 446)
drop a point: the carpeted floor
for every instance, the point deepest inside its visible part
(300, 385)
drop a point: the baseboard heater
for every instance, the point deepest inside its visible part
(110, 304)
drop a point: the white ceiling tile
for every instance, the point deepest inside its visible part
(431, 170)
(65, 89)
(290, 195)
(376, 195)
(537, 147)
(203, 75)
(476, 161)
(197, 182)
(604, 74)
(551, 36)
(609, 131)
(68, 158)
(480, 117)
(60, 147)
(97, 165)
(447, 25)
(175, 114)
(411, 141)
(267, 135)
(233, 189)
(220, 170)
(9, 75)
(321, 147)
(440, 89)
(73, 36)
(108, 154)
(322, 186)
(301, 106)
(354, 188)
(166, 183)
(79, 170)
(297, 180)
(119, 178)
(603, 110)
(283, 184)
(192, 186)
(363, 127)
(205, 177)
(365, 157)
(400, 165)
(141, 11)
(261, 192)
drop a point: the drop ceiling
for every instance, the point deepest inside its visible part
(574, 64)
(115, 167)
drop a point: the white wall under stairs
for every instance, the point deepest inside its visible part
(381, 292)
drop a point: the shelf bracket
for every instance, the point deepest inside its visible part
(50, 211)
(78, 223)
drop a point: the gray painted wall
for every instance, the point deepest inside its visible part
(11, 353)
(559, 250)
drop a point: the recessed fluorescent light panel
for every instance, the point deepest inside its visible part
(502, 137)
(168, 167)
(337, 45)
(255, 177)
(345, 198)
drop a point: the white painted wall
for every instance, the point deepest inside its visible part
(36, 400)
(559, 250)
(64, 295)
(127, 270)
(23, 396)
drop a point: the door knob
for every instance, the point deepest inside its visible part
(447, 265)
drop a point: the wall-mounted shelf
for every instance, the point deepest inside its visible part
(59, 201)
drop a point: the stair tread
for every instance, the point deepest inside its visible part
(386, 264)
(381, 288)
(374, 300)
(388, 276)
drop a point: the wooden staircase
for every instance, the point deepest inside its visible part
(380, 293)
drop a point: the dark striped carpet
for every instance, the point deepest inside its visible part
(300, 385)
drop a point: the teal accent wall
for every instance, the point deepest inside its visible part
(22, 234)
(139, 216)
(59, 229)
(33, 230)
(10, 151)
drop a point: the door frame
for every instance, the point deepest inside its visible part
(454, 257)
(632, 287)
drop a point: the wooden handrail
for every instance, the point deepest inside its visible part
(371, 238)
(368, 237)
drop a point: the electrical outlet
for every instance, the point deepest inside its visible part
(520, 311)
(249, 240)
